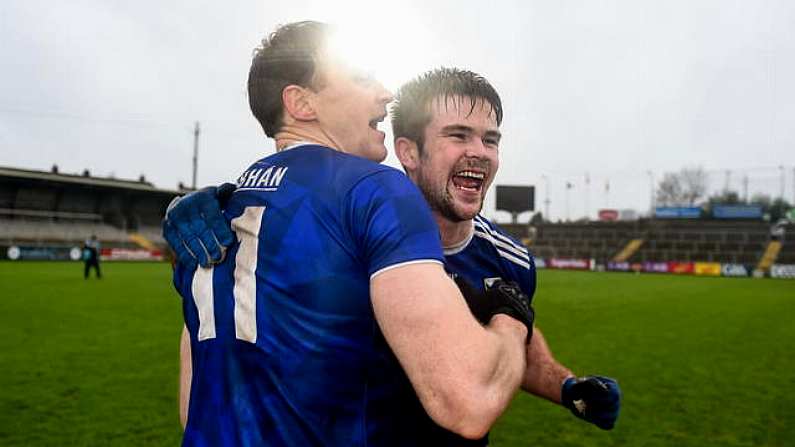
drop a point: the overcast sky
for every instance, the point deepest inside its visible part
(614, 89)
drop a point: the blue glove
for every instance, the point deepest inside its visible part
(595, 399)
(196, 229)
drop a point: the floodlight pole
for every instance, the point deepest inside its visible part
(781, 195)
(546, 198)
(195, 153)
(568, 213)
(587, 197)
(651, 186)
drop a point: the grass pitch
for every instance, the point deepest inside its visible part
(88, 362)
(701, 361)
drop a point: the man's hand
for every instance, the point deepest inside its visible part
(196, 229)
(503, 297)
(595, 399)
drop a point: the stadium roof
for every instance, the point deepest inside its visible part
(86, 180)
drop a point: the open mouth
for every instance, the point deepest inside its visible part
(471, 181)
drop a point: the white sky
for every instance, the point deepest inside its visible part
(610, 88)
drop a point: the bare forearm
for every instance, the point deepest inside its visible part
(544, 375)
(508, 364)
(485, 379)
(464, 373)
(185, 376)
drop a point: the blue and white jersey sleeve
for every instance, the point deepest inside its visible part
(516, 261)
(489, 255)
(392, 223)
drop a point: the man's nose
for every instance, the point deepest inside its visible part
(476, 149)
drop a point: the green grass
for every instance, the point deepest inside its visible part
(88, 363)
(702, 361)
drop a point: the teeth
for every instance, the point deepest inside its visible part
(471, 174)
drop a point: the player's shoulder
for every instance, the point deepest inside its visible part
(365, 178)
(492, 235)
(311, 164)
(485, 225)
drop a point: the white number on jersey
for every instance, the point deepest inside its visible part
(247, 227)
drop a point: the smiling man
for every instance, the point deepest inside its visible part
(331, 320)
(446, 128)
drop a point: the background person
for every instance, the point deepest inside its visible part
(91, 252)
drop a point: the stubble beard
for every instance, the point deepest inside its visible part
(441, 201)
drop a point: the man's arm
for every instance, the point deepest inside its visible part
(185, 376)
(544, 376)
(465, 374)
(595, 399)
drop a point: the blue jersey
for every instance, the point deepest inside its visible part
(286, 350)
(487, 255)
(492, 254)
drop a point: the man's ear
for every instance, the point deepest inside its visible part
(408, 153)
(297, 103)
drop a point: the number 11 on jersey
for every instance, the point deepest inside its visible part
(247, 228)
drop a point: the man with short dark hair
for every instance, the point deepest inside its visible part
(446, 129)
(331, 321)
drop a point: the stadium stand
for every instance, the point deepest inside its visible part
(628, 250)
(658, 240)
(598, 240)
(770, 255)
(704, 240)
(38, 232)
(39, 209)
(787, 253)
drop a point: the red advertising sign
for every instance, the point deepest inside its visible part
(127, 254)
(680, 267)
(576, 264)
(608, 215)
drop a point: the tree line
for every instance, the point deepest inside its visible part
(689, 187)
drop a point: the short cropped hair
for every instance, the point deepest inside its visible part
(411, 111)
(288, 56)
